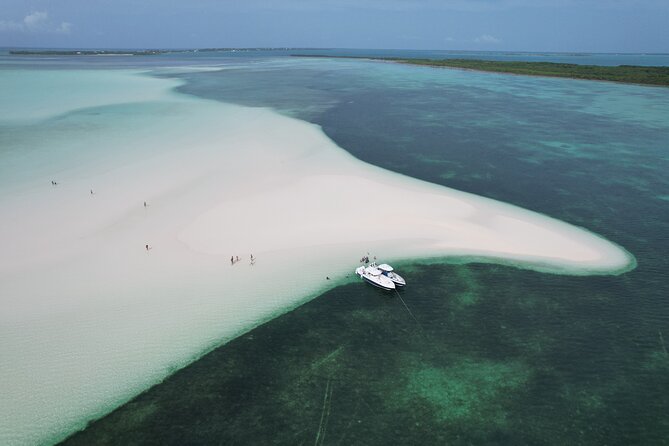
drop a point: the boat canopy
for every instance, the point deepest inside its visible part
(385, 267)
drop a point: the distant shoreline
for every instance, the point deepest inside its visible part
(146, 52)
(628, 74)
(86, 52)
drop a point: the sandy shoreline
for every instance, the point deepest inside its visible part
(90, 317)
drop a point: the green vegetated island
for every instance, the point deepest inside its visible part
(630, 74)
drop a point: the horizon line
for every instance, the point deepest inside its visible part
(285, 48)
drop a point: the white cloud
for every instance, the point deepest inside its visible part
(64, 28)
(487, 38)
(36, 21)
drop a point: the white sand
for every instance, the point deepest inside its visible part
(89, 318)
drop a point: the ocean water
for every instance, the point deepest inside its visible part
(483, 353)
(499, 355)
(605, 59)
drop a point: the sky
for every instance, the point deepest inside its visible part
(486, 25)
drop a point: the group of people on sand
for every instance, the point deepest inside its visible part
(365, 259)
(235, 259)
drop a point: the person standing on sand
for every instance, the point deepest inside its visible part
(145, 204)
(232, 260)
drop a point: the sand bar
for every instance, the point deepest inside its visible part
(90, 318)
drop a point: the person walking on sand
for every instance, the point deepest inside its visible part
(232, 260)
(145, 204)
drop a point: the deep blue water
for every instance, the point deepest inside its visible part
(500, 355)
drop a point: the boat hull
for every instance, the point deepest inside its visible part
(378, 285)
(397, 280)
(399, 284)
(375, 278)
(390, 273)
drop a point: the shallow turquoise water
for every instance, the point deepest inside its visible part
(651, 59)
(501, 355)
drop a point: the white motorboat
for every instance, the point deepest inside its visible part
(374, 276)
(390, 273)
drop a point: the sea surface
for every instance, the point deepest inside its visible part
(604, 59)
(469, 353)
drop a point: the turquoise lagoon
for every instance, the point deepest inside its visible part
(502, 355)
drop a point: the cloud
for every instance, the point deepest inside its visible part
(36, 21)
(487, 38)
(64, 28)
